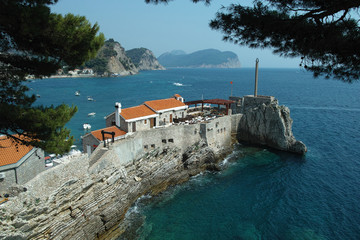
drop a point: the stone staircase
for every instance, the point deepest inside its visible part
(97, 155)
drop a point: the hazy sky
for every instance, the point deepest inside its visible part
(179, 25)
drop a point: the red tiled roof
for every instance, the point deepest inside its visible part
(10, 152)
(177, 95)
(163, 104)
(98, 135)
(136, 112)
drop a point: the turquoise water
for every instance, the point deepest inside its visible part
(260, 194)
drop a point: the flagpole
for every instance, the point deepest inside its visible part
(231, 88)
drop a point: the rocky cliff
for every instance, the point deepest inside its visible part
(144, 59)
(266, 123)
(80, 200)
(112, 60)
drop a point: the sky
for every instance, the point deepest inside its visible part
(179, 25)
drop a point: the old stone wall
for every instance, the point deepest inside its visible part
(250, 101)
(8, 180)
(30, 168)
(217, 133)
(89, 140)
(166, 116)
(24, 170)
(110, 120)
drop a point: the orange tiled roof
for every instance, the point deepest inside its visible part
(163, 104)
(136, 112)
(98, 135)
(10, 153)
(177, 95)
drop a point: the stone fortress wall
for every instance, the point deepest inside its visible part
(217, 134)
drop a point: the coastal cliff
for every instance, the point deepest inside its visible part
(144, 59)
(111, 59)
(266, 123)
(87, 201)
(86, 198)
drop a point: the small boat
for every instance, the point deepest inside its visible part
(89, 98)
(91, 114)
(38, 95)
(77, 93)
(86, 126)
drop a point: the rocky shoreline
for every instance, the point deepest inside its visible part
(91, 205)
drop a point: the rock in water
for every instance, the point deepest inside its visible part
(268, 124)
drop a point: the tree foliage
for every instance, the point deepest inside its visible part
(324, 34)
(35, 41)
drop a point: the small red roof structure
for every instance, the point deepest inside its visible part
(97, 133)
(136, 112)
(163, 104)
(11, 152)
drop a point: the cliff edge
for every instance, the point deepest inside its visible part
(264, 122)
(144, 59)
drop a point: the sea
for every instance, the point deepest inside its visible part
(260, 193)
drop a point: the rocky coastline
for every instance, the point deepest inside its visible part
(268, 124)
(88, 197)
(91, 205)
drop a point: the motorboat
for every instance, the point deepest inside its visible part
(91, 114)
(86, 126)
(77, 93)
(89, 98)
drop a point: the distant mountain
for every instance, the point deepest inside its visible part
(208, 58)
(112, 59)
(144, 59)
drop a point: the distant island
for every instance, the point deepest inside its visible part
(113, 60)
(208, 58)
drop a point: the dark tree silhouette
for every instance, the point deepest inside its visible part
(324, 34)
(37, 42)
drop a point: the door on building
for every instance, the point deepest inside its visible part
(134, 126)
(171, 118)
(152, 122)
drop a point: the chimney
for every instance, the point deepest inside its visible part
(117, 113)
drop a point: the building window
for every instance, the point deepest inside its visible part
(171, 140)
(145, 147)
(152, 145)
(163, 141)
(145, 121)
(113, 123)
